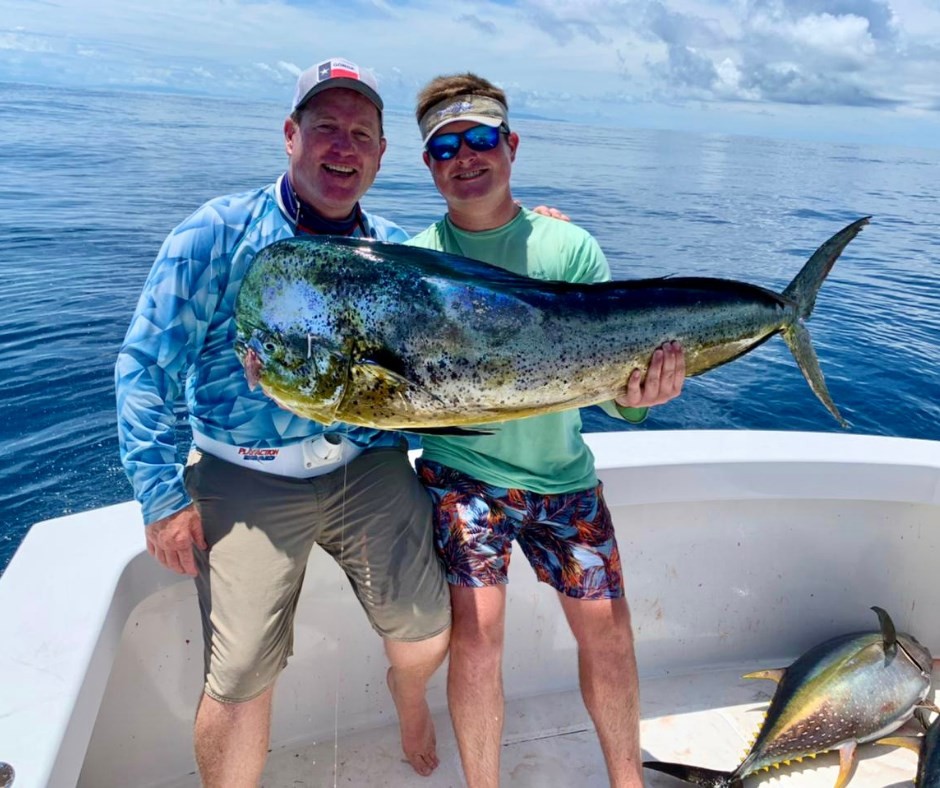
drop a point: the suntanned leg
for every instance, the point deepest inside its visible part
(609, 684)
(475, 680)
(231, 741)
(412, 665)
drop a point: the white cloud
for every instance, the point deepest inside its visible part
(562, 58)
(290, 68)
(841, 37)
(22, 42)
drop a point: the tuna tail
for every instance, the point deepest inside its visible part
(803, 290)
(696, 775)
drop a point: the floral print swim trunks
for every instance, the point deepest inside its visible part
(568, 538)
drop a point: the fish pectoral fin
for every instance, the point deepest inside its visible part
(774, 674)
(910, 742)
(458, 431)
(847, 763)
(379, 370)
(379, 377)
(382, 376)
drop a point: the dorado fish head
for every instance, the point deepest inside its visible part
(303, 374)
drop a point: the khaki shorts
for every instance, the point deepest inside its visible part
(373, 517)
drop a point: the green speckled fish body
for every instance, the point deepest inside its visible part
(390, 336)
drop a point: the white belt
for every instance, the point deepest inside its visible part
(304, 460)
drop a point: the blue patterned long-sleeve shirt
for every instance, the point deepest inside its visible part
(183, 332)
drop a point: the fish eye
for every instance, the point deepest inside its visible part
(269, 346)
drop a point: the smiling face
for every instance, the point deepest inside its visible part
(475, 184)
(334, 151)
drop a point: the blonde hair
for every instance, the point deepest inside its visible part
(453, 85)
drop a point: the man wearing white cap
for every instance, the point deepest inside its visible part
(261, 485)
(530, 480)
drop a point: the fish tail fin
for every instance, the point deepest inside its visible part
(696, 775)
(803, 290)
(806, 283)
(797, 338)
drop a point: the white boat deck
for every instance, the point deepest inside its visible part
(740, 550)
(706, 719)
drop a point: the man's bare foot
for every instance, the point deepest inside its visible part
(417, 730)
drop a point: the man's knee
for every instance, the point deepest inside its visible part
(414, 607)
(420, 655)
(594, 619)
(479, 641)
(242, 677)
(614, 640)
(403, 621)
(233, 710)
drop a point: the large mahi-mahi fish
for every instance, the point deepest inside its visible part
(848, 690)
(390, 336)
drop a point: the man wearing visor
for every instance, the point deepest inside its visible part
(262, 486)
(530, 480)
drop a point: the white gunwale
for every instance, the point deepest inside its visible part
(682, 502)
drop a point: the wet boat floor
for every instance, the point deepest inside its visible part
(706, 719)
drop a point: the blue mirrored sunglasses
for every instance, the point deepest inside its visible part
(478, 138)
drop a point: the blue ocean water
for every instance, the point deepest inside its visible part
(91, 182)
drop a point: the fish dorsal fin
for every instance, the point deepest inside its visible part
(774, 674)
(888, 633)
(426, 262)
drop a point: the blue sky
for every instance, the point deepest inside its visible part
(846, 70)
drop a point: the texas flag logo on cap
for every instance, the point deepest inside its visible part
(337, 69)
(336, 72)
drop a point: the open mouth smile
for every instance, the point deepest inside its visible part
(339, 169)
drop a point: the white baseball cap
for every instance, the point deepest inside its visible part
(336, 72)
